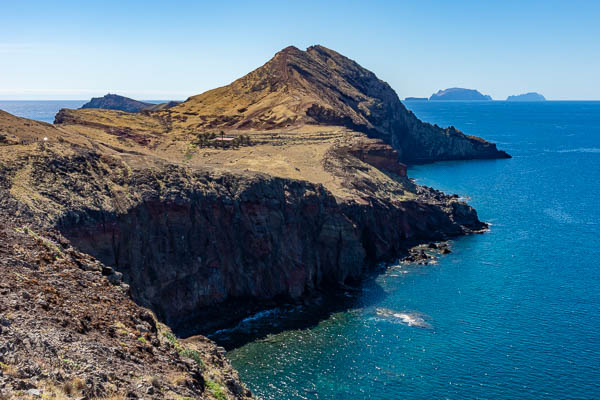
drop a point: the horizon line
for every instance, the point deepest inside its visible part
(402, 99)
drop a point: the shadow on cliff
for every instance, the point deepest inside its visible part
(289, 316)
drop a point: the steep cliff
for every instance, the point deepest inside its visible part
(68, 325)
(192, 241)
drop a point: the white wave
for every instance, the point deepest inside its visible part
(581, 150)
(406, 318)
(243, 324)
(259, 315)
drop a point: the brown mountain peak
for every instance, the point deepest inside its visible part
(320, 86)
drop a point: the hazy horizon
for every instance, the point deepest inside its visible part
(154, 50)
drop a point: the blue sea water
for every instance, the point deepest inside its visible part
(44, 110)
(510, 314)
(39, 110)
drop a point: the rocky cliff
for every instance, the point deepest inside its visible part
(188, 239)
(121, 103)
(68, 325)
(116, 102)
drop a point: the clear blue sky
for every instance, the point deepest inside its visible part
(174, 49)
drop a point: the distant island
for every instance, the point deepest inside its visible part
(415, 99)
(122, 103)
(531, 96)
(459, 94)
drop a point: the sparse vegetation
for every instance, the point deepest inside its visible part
(207, 139)
(171, 338)
(204, 139)
(184, 352)
(50, 245)
(189, 154)
(216, 389)
(73, 386)
(7, 369)
(194, 355)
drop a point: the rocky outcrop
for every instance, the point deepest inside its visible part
(161, 106)
(68, 331)
(111, 204)
(380, 155)
(459, 94)
(116, 102)
(121, 103)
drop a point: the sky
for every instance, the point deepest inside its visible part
(175, 49)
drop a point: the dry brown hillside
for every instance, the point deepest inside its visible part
(321, 87)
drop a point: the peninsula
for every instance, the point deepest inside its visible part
(124, 232)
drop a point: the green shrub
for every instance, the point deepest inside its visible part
(216, 390)
(194, 355)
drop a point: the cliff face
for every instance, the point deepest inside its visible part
(66, 331)
(192, 242)
(219, 240)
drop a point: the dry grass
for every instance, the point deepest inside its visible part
(8, 369)
(73, 386)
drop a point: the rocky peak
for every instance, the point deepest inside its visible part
(322, 87)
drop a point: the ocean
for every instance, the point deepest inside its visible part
(510, 314)
(39, 110)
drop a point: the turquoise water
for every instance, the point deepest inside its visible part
(510, 314)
